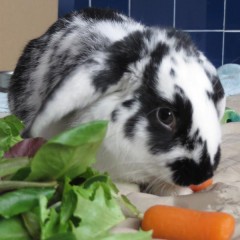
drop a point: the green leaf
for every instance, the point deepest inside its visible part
(68, 154)
(15, 124)
(129, 206)
(92, 132)
(51, 225)
(5, 137)
(23, 200)
(87, 211)
(11, 166)
(12, 185)
(50, 221)
(63, 236)
(21, 174)
(13, 229)
(10, 128)
(43, 210)
(69, 203)
(96, 178)
(98, 213)
(31, 222)
(123, 200)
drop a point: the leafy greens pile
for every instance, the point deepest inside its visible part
(48, 190)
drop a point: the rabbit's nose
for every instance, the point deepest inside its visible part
(186, 171)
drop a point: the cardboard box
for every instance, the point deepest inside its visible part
(21, 21)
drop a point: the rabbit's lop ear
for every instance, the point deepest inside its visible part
(100, 75)
(73, 93)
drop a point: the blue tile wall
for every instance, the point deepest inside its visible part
(211, 44)
(213, 24)
(232, 47)
(199, 14)
(121, 6)
(155, 12)
(81, 4)
(233, 15)
(65, 7)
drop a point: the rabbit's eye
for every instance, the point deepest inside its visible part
(166, 116)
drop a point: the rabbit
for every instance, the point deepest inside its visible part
(161, 96)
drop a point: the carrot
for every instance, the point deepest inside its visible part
(200, 187)
(175, 223)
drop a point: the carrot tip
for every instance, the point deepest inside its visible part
(202, 186)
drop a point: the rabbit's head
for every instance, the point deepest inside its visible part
(167, 125)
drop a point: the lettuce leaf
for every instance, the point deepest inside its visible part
(85, 204)
(68, 154)
(98, 212)
(10, 128)
(13, 229)
(23, 200)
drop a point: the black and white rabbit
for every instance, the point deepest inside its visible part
(161, 95)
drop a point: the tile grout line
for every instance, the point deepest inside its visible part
(174, 13)
(129, 8)
(211, 30)
(224, 30)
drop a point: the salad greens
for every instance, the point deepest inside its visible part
(10, 127)
(49, 191)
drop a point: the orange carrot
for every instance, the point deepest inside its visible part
(200, 187)
(175, 223)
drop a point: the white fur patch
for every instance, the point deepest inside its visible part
(66, 99)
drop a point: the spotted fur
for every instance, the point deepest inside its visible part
(99, 64)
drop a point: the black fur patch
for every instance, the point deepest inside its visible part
(57, 46)
(217, 88)
(200, 141)
(210, 95)
(172, 72)
(191, 141)
(218, 91)
(129, 103)
(101, 14)
(217, 158)
(184, 116)
(183, 42)
(147, 96)
(186, 171)
(179, 90)
(114, 115)
(22, 72)
(120, 55)
(196, 134)
(130, 126)
(208, 74)
(162, 139)
(190, 144)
